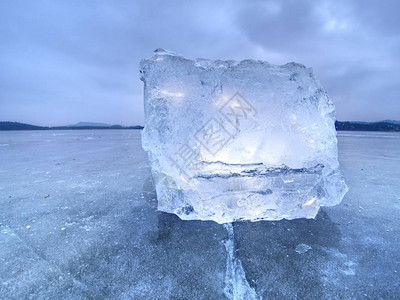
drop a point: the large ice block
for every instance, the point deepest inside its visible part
(244, 140)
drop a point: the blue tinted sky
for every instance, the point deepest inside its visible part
(67, 61)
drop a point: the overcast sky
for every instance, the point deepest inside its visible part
(77, 60)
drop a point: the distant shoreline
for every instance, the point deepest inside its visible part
(384, 126)
(16, 126)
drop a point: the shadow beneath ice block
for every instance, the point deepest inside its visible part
(192, 255)
(268, 254)
(187, 255)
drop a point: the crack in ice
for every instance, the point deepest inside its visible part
(236, 285)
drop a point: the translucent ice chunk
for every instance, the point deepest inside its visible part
(242, 140)
(302, 248)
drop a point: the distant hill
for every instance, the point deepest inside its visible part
(80, 125)
(20, 126)
(368, 126)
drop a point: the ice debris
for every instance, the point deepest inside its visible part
(302, 248)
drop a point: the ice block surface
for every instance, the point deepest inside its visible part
(244, 140)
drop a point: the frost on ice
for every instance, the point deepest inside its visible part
(244, 140)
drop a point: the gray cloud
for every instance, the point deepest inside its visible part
(66, 61)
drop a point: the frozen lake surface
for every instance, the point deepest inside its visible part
(78, 220)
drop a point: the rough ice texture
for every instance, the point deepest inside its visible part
(244, 140)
